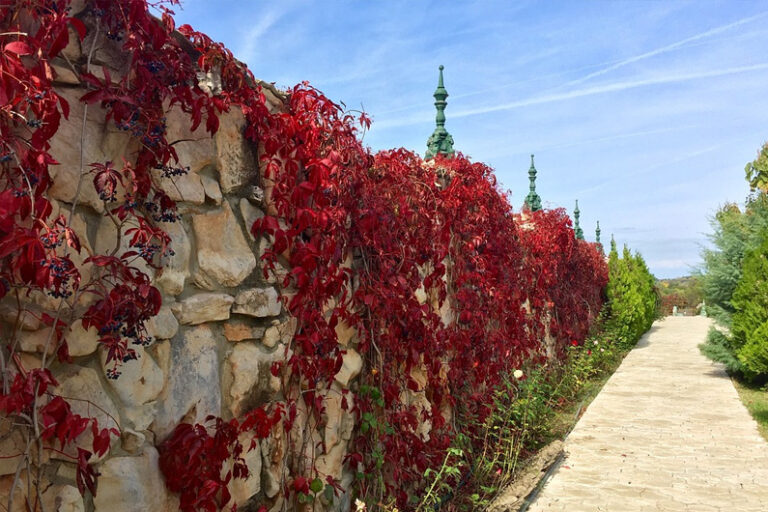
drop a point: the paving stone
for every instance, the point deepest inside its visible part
(667, 432)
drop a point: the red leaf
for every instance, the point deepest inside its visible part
(60, 42)
(85, 476)
(19, 48)
(212, 122)
(64, 106)
(79, 26)
(101, 439)
(63, 352)
(301, 484)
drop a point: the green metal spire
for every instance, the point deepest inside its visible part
(597, 237)
(532, 200)
(576, 228)
(613, 243)
(440, 142)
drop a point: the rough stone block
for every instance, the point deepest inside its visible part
(250, 215)
(258, 302)
(193, 390)
(63, 498)
(212, 190)
(242, 331)
(202, 308)
(140, 381)
(187, 188)
(223, 255)
(175, 268)
(249, 375)
(131, 484)
(103, 142)
(243, 489)
(282, 332)
(87, 397)
(164, 325)
(350, 368)
(235, 158)
(81, 342)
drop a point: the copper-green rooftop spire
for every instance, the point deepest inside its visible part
(613, 243)
(532, 200)
(576, 228)
(597, 237)
(440, 141)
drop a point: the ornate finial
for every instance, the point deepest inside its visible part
(532, 200)
(613, 244)
(576, 228)
(597, 236)
(440, 141)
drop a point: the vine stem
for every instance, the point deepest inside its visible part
(82, 130)
(35, 426)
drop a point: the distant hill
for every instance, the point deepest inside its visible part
(684, 292)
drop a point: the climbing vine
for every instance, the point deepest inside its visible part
(444, 288)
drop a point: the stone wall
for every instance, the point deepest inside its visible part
(220, 328)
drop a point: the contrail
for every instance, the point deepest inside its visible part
(646, 170)
(266, 22)
(668, 48)
(601, 89)
(607, 69)
(618, 137)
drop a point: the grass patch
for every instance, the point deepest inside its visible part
(755, 399)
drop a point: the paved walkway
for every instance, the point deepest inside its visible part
(666, 433)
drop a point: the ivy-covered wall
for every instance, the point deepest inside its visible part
(213, 294)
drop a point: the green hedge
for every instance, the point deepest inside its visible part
(633, 300)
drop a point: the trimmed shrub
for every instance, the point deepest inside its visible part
(632, 297)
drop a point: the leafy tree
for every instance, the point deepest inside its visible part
(684, 292)
(757, 170)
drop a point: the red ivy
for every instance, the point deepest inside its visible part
(446, 287)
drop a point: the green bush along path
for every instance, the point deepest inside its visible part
(666, 433)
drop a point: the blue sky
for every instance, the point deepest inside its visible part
(646, 112)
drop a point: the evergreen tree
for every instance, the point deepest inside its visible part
(632, 295)
(750, 319)
(727, 270)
